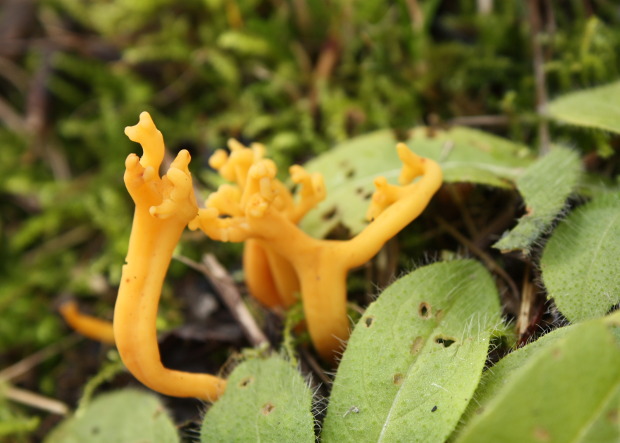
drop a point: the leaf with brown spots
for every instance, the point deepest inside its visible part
(408, 372)
(266, 400)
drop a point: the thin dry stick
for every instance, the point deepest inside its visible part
(527, 298)
(485, 7)
(486, 258)
(35, 400)
(416, 15)
(26, 364)
(480, 120)
(223, 282)
(467, 219)
(539, 74)
(498, 224)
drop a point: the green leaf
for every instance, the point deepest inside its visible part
(580, 266)
(124, 416)
(265, 400)
(494, 378)
(545, 187)
(469, 155)
(564, 387)
(415, 357)
(466, 155)
(596, 108)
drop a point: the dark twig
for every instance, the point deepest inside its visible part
(539, 74)
(314, 365)
(489, 232)
(486, 258)
(26, 364)
(15, 22)
(464, 211)
(480, 120)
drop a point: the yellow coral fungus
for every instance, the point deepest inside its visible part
(164, 206)
(88, 326)
(262, 214)
(269, 276)
(279, 258)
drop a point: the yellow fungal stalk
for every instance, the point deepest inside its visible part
(88, 326)
(261, 211)
(164, 206)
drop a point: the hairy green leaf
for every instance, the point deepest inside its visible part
(415, 357)
(545, 186)
(129, 416)
(494, 378)
(266, 400)
(597, 107)
(564, 387)
(466, 155)
(580, 266)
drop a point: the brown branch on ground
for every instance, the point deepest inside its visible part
(36, 400)
(224, 284)
(26, 364)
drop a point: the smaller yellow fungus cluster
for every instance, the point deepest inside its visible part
(270, 277)
(280, 260)
(261, 211)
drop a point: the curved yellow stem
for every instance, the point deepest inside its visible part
(163, 209)
(258, 275)
(88, 326)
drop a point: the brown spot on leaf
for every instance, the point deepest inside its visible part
(246, 381)
(445, 341)
(329, 214)
(368, 321)
(417, 344)
(267, 408)
(541, 434)
(425, 310)
(349, 171)
(398, 378)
